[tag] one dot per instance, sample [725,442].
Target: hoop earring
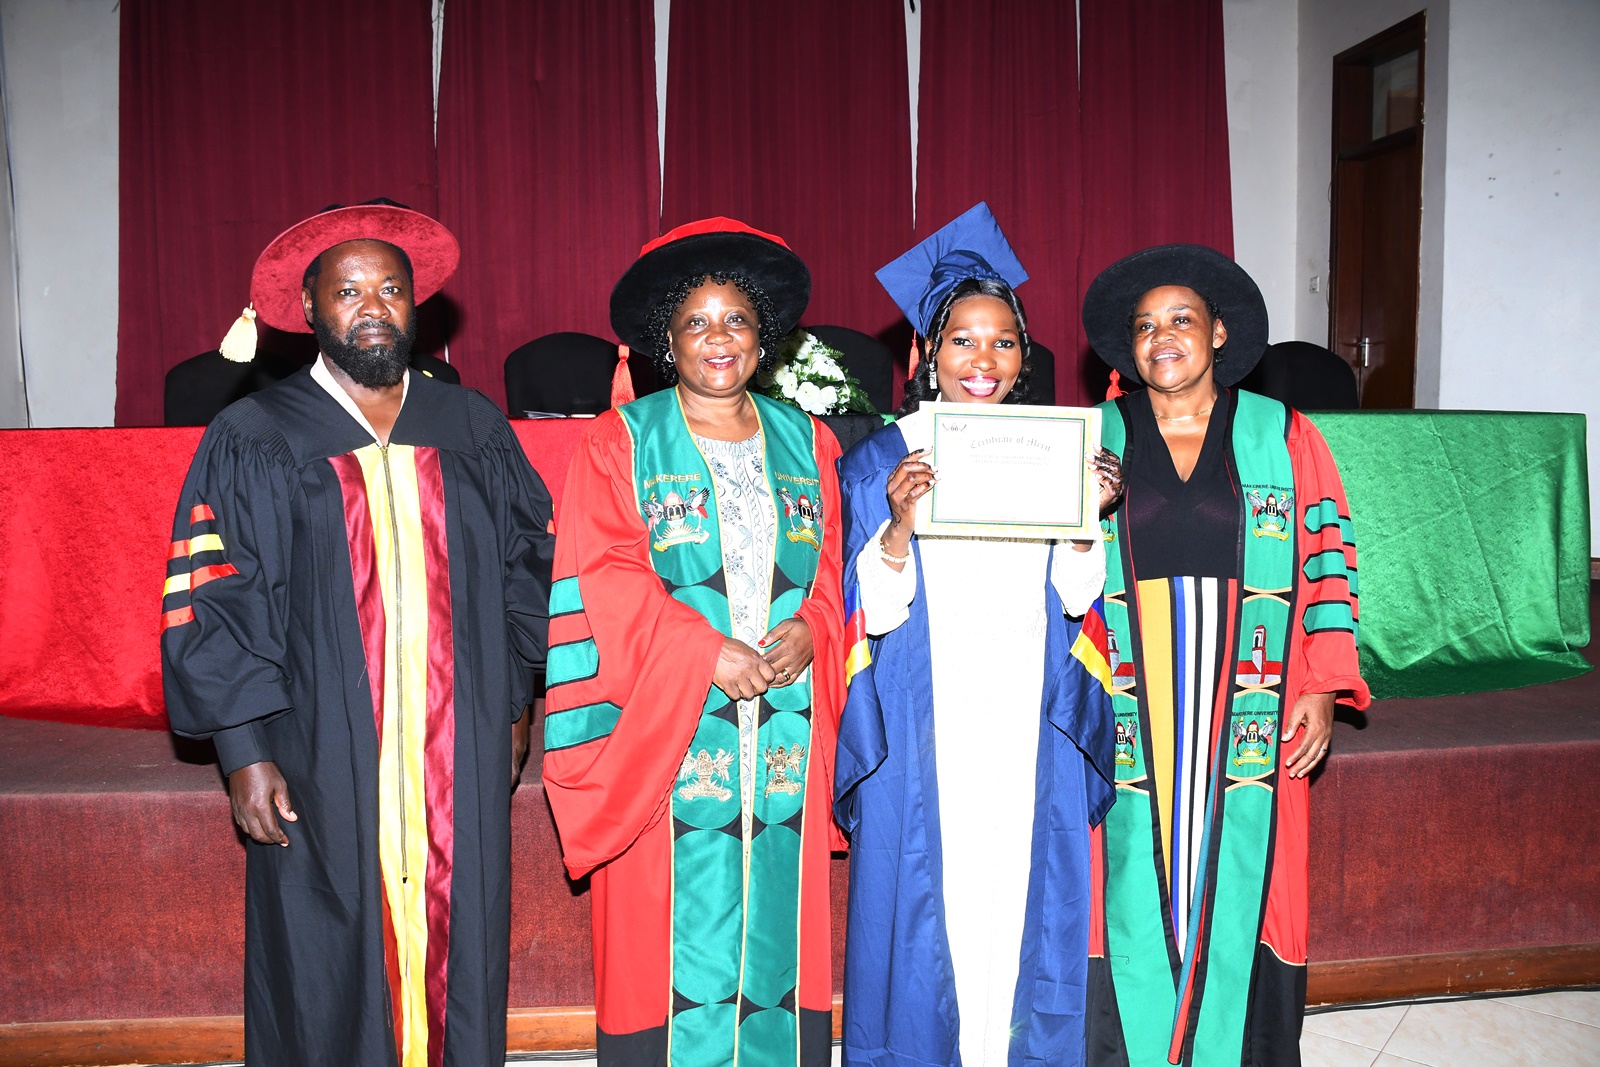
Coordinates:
[671,359]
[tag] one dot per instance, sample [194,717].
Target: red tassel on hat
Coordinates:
[913,359]
[621,380]
[1114,390]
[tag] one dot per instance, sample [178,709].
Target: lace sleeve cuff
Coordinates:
[886,594]
[1079,576]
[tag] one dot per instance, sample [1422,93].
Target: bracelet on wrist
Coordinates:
[890,557]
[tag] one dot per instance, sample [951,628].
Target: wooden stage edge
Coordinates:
[221,1038]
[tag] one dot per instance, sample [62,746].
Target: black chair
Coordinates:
[1042,382]
[570,374]
[865,357]
[1305,376]
[199,388]
[434,367]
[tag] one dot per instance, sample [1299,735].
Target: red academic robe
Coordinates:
[657,655]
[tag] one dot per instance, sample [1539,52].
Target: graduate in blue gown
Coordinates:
[975,749]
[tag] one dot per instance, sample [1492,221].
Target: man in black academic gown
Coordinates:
[356,602]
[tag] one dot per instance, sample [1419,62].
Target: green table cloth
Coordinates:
[1472,532]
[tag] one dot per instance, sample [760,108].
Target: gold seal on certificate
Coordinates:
[1011,470]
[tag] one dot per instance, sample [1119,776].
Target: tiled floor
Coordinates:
[1560,1029]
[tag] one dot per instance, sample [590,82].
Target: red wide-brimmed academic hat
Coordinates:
[280,269]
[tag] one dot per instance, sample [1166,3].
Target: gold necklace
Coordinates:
[1183,418]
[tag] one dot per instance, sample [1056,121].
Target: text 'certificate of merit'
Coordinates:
[1012,471]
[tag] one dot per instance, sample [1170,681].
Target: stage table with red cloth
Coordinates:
[1442,851]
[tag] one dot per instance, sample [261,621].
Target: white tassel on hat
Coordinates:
[239,346]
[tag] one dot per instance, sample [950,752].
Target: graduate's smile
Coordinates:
[980,386]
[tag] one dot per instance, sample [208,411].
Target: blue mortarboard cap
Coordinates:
[969,246]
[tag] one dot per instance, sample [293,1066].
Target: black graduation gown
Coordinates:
[263,652]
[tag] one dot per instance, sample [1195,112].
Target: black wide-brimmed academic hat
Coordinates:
[1112,297]
[709,246]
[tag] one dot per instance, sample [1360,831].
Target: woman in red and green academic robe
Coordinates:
[1231,607]
[695,674]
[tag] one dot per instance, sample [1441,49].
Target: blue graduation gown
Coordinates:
[899,985]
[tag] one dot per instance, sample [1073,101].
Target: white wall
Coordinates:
[1260,56]
[61,62]
[1523,216]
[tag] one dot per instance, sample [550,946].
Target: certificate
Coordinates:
[1012,471]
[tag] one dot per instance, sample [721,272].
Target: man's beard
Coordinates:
[375,367]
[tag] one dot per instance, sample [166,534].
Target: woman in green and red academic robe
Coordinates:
[1231,605]
[695,674]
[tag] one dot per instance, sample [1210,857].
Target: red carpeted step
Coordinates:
[123,883]
[1460,824]
[1446,825]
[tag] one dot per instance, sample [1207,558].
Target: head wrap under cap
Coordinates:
[969,246]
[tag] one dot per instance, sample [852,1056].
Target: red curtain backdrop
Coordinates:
[1000,123]
[548,171]
[792,116]
[238,120]
[1155,130]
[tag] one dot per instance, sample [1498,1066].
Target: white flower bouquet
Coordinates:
[811,376]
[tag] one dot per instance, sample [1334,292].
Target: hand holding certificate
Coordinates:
[1012,471]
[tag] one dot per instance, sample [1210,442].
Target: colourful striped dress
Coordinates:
[1228,595]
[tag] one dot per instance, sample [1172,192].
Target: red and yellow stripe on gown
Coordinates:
[395,518]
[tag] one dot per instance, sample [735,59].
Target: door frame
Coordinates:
[1352,141]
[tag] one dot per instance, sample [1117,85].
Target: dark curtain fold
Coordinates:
[793,116]
[998,121]
[1155,131]
[548,171]
[237,121]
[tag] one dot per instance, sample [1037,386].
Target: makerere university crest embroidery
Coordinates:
[1127,738]
[1251,741]
[803,515]
[677,520]
[1271,516]
[780,765]
[705,769]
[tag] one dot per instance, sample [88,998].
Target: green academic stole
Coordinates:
[1161,986]
[735,892]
